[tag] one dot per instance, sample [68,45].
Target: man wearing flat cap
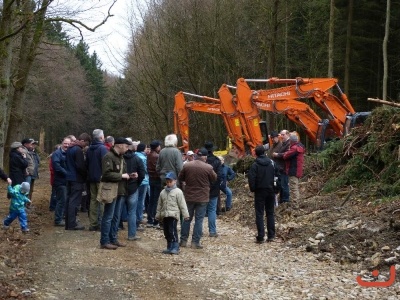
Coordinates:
[114,170]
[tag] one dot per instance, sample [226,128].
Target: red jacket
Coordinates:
[294,159]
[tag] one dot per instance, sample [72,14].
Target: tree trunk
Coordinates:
[331,35]
[384,52]
[348,48]
[30,41]
[5,73]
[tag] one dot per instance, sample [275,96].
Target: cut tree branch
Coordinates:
[395,104]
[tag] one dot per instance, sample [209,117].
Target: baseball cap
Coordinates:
[190,152]
[170,175]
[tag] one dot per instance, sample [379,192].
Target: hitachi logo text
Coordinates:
[276,95]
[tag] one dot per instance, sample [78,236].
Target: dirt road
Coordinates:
[51,263]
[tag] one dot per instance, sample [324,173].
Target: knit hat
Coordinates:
[202,152]
[154,144]
[16,145]
[25,187]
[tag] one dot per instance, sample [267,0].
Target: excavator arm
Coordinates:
[230,118]
[317,90]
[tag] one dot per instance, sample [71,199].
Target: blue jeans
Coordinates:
[131,203]
[285,188]
[53,199]
[110,221]
[143,190]
[198,211]
[22,218]
[227,191]
[61,196]
[155,190]
[212,214]
[28,179]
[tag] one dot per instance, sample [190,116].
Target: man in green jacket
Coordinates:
[112,164]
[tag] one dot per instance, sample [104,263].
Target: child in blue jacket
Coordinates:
[18,200]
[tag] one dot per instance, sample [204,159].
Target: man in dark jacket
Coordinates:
[18,164]
[214,190]
[76,178]
[294,160]
[136,169]
[155,183]
[261,182]
[60,180]
[94,156]
[198,176]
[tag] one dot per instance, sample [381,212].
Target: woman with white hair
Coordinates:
[170,158]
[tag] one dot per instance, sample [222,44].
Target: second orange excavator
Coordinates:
[228,112]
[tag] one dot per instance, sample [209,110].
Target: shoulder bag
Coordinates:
[108,191]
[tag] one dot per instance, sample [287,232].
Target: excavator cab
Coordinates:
[264,132]
[354,120]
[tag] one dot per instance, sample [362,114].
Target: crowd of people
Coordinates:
[161,182]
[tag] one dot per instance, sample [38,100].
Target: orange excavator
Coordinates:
[249,102]
[341,113]
[228,112]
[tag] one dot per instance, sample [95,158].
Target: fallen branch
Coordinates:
[348,196]
[384,102]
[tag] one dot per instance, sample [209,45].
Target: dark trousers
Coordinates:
[171,229]
[155,190]
[74,198]
[264,201]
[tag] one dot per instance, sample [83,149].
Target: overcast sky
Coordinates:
[110,41]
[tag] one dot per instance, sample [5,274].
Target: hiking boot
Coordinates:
[118,244]
[61,224]
[26,230]
[174,248]
[5,227]
[259,241]
[149,225]
[134,238]
[108,247]
[196,246]
[94,228]
[168,250]
[213,235]
[79,227]
[183,244]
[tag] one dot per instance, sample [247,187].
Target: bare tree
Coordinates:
[384,52]
[26,29]
[331,36]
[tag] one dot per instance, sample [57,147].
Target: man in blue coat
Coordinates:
[94,156]
[60,180]
[76,178]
